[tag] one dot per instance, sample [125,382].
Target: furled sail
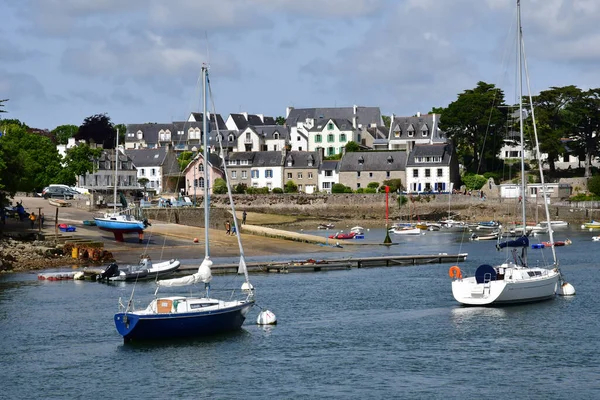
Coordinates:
[523,241]
[203,275]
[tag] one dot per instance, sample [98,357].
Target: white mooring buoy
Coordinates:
[266,317]
[566,289]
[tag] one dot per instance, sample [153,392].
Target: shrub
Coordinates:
[402,200]
[338,188]
[394,184]
[291,187]
[593,185]
[369,190]
[240,188]
[474,181]
[347,189]
[220,186]
[277,190]
[360,190]
[373,185]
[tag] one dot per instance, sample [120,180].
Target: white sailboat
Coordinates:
[187,316]
[513,281]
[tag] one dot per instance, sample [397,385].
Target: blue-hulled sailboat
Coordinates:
[169,317]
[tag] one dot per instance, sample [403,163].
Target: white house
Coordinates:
[329,175]
[406,132]
[332,135]
[262,138]
[431,168]
[256,169]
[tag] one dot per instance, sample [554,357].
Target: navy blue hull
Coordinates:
[180,325]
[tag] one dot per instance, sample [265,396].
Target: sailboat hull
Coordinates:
[155,325]
[116,225]
[504,292]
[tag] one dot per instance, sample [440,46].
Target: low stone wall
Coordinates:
[188,216]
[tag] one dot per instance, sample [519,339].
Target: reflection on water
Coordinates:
[465,314]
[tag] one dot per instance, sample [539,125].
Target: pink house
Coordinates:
[194,174]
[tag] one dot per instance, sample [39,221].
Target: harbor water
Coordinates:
[373,333]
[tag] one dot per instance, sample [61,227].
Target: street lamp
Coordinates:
[194,151]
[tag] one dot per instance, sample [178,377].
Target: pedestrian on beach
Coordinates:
[233,230]
[244,217]
[32,219]
[227,228]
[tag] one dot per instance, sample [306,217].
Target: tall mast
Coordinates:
[521,136]
[116,172]
[205,144]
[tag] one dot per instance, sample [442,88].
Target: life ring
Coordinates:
[454,272]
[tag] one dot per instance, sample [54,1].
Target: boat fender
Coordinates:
[455,272]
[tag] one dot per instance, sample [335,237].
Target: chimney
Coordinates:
[287,111]
[245,114]
[355,109]
[392,117]
[418,113]
[321,152]
[433,129]
[354,121]
[262,117]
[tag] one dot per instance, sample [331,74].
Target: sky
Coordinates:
[139,60]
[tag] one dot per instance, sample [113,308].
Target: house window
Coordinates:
[358,174]
[201,167]
[440,172]
[387,174]
[201,182]
[140,134]
[268,173]
[244,174]
[415,173]
[358,185]
[410,133]
[330,126]
[233,174]
[318,138]
[328,172]
[153,172]
[298,139]
[310,175]
[343,137]
[195,182]
[289,175]
[300,148]
[142,172]
[330,151]
[370,174]
[427,172]
[276,135]
[299,175]
[330,138]
[397,134]
[326,185]
[254,174]
[299,188]
[231,138]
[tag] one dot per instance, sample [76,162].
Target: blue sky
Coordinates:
[139,60]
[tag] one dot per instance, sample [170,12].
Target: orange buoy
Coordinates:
[455,272]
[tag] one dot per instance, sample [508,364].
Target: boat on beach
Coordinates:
[59,202]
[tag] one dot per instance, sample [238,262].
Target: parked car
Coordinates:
[59,193]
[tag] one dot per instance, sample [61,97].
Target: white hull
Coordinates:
[517,287]
[407,231]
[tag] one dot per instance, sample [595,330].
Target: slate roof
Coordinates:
[366,115]
[267,131]
[342,124]
[300,159]
[258,158]
[240,121]
[417,125]
[213,160]
[147,157]
[199,117]
[329,165]
[269,121]
[150,131]
[373,161]
[430,150]
[379,132]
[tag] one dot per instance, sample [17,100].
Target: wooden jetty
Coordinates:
[311,265]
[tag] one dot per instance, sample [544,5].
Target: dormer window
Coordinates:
[411,131]
[290,161]
[330,126]
[140,135]
[424,130]
[276,135]
[311,161]
[231,138]
[201,167]
[397,133]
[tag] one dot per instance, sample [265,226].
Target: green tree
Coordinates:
[549,107]
[387,121]
[98,129]
[184,159]
[78,161]
[280,120]
[351,147]
[291,187]
[583,117]
[122,129]
[476,123]
[394,184]
[240,188]
[373,185]
[63,133]
[474,181]
[143,182]
[593,185]
[220,186]
[436,110]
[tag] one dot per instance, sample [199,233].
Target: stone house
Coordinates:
[302,168]
[358,169]
[159,166]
